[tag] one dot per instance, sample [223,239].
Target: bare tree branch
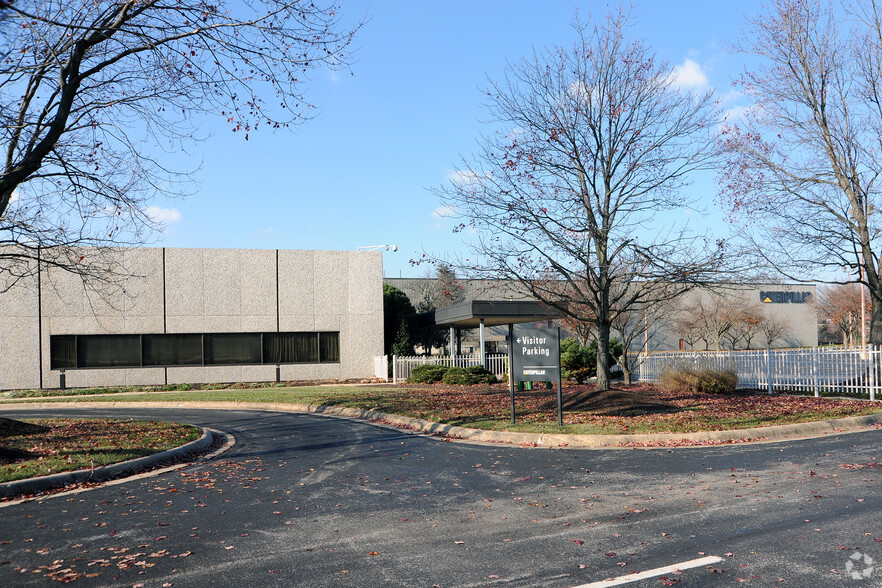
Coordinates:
[803,163]
[595,143]
[89,89]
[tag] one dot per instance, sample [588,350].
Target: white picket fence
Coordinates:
[381,367]
[816,370]
[402,366]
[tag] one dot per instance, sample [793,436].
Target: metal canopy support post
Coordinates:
[453,341]
[481,337]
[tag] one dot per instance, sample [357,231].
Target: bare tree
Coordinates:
[716,320]
[747,319]
[582,329]
[592,146]
[774,328]
[804,161]
[641,329]
[96,93]
[688,326]
[717,317]
[839,307]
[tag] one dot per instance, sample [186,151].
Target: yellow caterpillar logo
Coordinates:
[784,297]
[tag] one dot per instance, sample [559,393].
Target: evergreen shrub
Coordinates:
[468,376]
[427,374]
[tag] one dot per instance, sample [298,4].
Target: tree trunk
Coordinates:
[875,337]
[603,371]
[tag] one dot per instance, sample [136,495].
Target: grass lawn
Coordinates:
[49,446]
[639,408]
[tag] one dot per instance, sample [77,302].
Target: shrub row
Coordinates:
[700,380]
[432,374]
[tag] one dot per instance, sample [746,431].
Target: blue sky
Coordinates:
[359,173]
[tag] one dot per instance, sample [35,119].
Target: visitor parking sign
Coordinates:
[535,354]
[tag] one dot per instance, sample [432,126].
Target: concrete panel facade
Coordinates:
[799,313]
[20,334]
[199,291]
[797,310]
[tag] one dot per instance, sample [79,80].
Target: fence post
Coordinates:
[815,358]
[874,356]
[394,369]
[769,368]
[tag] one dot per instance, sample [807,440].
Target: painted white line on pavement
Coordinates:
[693,563]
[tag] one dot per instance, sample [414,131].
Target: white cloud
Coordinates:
[581,92]
[463,177]
[162,215]
[731,96]
[265,233]
[735,113]
[689,76]
[443,212]
[14,196]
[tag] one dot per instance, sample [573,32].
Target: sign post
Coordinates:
[534,356]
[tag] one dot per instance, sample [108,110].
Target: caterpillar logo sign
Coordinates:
[784,297]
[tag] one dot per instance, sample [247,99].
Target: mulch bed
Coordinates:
[634,408]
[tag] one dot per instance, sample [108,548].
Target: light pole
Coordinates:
[377,247]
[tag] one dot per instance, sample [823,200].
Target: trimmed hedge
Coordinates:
[704,380]
[468,376]
[427,374]
[432,374]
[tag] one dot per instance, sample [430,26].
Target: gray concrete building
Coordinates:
[197,316]
[786,313]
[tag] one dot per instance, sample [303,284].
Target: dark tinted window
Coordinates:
[279,348]
[329,344]
[103,351]
[97,351]
[62,351]
[301,347]
[231,348]
[172,349]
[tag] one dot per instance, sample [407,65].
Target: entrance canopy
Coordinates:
[491,313]
[484,313]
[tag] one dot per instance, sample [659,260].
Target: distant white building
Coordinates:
[197,316]
[792,306]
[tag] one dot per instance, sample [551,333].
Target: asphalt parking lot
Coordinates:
[306,500]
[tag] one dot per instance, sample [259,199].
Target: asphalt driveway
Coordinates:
[305,500]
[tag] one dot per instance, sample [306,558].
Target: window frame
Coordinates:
[80,342]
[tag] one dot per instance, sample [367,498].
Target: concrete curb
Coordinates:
[702,439]
[104,473]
